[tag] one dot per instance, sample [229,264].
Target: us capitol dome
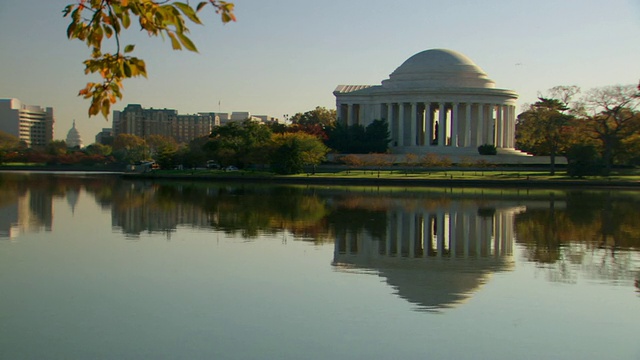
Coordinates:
[73,137]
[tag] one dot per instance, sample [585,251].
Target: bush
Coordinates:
[583,160]
[487,149]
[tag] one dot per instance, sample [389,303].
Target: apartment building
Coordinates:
[30,123]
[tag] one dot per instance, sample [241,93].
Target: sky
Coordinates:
[287,56]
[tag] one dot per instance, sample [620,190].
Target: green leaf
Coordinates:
[106,105]
[126,69]
[188,11]
[174,42]
[108,31]
[201,5]
[71,29]
[126,20]
[129,48]
[188,44]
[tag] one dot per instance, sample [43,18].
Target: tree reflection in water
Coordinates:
[447,241]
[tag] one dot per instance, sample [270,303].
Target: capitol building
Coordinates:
[74,140]
[437,102]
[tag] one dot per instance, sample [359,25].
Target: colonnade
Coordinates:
[438,233]
[424,124]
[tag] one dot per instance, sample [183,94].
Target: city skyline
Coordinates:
[289,57]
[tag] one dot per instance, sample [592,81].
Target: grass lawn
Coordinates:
[627,175]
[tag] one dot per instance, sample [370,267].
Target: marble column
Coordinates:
[480,128]
[454,125]
[412,126]
[499,127]
[390,120]
[400,124]
[428,119]
[442,119]
[467,123]
[512,126]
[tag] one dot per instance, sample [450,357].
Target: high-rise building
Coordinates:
[105,137]
[136,120]
[31,124]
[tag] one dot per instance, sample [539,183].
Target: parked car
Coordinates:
[231,168]
[212,164]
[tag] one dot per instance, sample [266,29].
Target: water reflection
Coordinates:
[588,233]
[434,247]
[434,251]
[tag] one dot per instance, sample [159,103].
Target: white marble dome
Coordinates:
[73,137]
[438,68]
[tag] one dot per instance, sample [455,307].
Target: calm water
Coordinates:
[93,267]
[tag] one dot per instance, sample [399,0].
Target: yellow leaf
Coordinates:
[175,44]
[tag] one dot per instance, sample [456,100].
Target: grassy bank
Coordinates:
[412,176]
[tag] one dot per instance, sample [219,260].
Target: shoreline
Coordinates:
[412,180]
[319,179]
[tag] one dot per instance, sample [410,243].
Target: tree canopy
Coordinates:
[542,129]
[598,130]
[356,139]
[94,20]
[318,116]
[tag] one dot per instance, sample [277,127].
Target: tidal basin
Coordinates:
[97,267]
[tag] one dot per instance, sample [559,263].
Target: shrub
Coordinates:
[487,149]
[583,160]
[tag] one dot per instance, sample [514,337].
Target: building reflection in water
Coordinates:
[434,247]
[435,257]
[24,210]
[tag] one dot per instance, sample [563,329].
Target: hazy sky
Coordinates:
[287,56]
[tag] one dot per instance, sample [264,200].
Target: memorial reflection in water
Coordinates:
[434,253]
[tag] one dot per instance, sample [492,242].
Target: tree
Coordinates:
[57,147]
[541,129]
[158,143]
[378,136]
[318,116]
[292,151]
[130,148]
[610,115]
[163,150]
[94,20]
[239,144]
[98,149]
[8,143]
[356,139]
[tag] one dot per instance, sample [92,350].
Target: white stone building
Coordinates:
[438,101]
[31,124]
[74,140]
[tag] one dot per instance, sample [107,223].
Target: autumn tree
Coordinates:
[92,21]
[542,128]
[130,148]
[610,114]
[8,143]
[163,150]
[318,116]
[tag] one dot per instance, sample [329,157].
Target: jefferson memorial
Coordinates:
[438,101]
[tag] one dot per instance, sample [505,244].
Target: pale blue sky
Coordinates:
[287,56]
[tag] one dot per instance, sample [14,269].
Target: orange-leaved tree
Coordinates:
[94,20]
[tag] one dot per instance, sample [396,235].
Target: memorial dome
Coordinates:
[438,68]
